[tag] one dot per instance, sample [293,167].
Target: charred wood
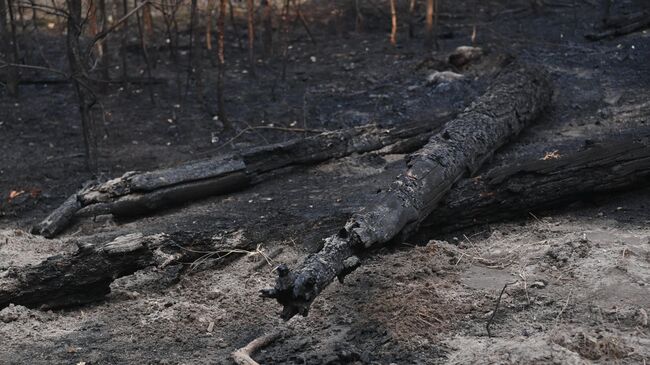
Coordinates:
[137,193]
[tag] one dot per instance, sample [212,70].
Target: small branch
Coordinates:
[496,308]
[4,64]
[242,356]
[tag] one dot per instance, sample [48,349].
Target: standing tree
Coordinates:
[431,37]
[250,9]
[358,24]
[267,24]
[393,23]
[102,45]
[412,6]
[8,49]
[79,75]
[221,60]
[123,41]
[285,39]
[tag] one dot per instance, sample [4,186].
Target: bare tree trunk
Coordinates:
[358,25]
[285,39]
[145,54]
[148,21]
[10,73]
[76,59]
[393,23]
[190,68]
[124,40]
[208,25]
[168,30]
[221,60]
[250,8]
[102,45]
[430,36]
[412,5]
[235,29]
[301,17]
[267,24]
[92,18]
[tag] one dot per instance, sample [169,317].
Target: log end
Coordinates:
[294,291]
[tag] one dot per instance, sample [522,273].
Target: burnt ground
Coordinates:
[582,272]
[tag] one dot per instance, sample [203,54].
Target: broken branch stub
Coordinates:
[516,98]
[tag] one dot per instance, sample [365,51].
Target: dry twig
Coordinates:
[242,356]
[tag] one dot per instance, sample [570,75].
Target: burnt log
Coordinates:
[137,193]
[515,99]
[566,173]
[85,275]
[579,168]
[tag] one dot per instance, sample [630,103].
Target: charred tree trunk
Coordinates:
[285,39]
[221,60]
[7,49]
[102,46]
[124,37]
[137,193]
[267,26]
[431,38]
[516,99]
[233,23]
[78,64]
[250,16]
[358,23]
[208,27]
[301,18]
[142,35]
[148,21]
[193,26]
[412,5]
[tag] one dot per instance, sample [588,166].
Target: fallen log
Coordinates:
[515,99]
[580,168]
[85,276]
[137,193]
[566,173]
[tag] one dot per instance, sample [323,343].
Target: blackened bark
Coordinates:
[572,171]
[137,193]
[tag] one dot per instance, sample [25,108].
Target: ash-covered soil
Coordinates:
[579,276]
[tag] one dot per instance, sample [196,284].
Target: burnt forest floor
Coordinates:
[582,272]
